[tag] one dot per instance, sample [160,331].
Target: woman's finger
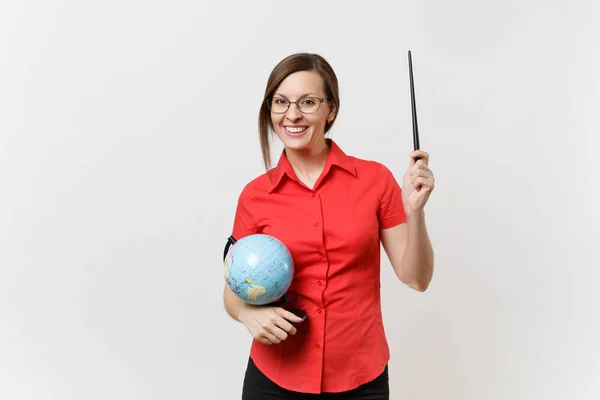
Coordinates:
[279,327]
[419,156]
[288,315]
[263,340]
[425,173]
[267,334]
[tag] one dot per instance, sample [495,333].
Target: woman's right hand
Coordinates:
[269,325]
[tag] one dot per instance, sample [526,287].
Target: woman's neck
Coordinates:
[308,164]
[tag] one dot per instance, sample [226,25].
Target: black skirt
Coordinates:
[258,387]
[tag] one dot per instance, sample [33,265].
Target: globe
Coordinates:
[259,269]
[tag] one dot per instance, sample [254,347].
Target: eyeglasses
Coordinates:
[306,105]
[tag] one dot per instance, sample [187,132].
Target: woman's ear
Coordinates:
[331,115]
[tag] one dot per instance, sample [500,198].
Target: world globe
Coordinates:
[259,269]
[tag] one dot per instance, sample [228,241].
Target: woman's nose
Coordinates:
[293,114]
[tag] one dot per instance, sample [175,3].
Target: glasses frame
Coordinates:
[270,99]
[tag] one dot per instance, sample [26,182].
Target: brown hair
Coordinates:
[287,66]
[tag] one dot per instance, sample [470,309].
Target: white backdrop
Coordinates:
[128,129]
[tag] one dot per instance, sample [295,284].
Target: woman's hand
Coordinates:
[418,182]
[269,325]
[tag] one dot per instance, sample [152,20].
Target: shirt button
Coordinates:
[319,283]
[320,253]
[314,195]
[319,310]
[316,223]
[317,346]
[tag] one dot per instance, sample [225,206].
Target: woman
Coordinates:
[332,211]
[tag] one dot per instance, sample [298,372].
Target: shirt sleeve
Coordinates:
[391,207]
[244,220]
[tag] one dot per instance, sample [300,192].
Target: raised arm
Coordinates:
[407,244]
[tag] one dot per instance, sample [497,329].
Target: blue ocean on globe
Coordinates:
[259,269]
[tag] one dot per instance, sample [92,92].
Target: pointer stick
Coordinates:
[413,104]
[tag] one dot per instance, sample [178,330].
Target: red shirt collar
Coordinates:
[336,157]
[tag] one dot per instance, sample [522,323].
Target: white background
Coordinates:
[128,129]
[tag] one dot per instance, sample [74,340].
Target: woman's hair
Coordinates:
[287,66]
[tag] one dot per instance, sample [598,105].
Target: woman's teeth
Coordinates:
[294,129]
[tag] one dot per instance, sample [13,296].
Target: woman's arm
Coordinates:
[410,252]
[407,245]
[268,325]
[233,305]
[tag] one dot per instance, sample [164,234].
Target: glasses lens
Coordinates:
[279,105]
[309,105]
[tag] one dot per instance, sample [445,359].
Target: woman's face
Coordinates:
[297,130]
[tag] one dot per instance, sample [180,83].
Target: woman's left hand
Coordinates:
[418,182]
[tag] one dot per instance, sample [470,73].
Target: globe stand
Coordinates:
[283,300]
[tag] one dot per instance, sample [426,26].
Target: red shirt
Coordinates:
[332,232]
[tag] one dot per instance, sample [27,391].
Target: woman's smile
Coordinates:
[295,130]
